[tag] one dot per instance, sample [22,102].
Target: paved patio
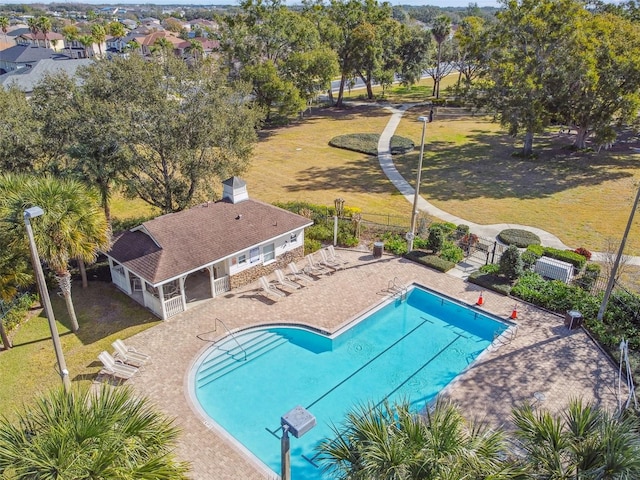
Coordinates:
[543,358]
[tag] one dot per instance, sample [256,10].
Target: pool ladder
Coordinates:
[215,328]
[397,290]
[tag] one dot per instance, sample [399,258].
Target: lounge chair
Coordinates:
[116,368]
[326,261]
[269,289]
[280,278]
[313,267]
[298,275]
[331,253]
[129,355]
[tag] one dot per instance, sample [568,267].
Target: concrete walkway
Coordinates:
[488,231]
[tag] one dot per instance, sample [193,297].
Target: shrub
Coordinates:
[122,224]
[536,249]
[490,281]
[584,252]
[367,143]
[568,256]
[447,227]
[529,259]
[431,261]
[320,232]
[519,238]
[511,263]
[346,239]
[395,243]
[436,239]
[18,310]
[420,242]
[311,245]
[462,230]
[492,269]
[589,277]
[451,252]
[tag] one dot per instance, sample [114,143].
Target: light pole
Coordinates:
[30,213]
[414,213]
[297,421]
[616,263]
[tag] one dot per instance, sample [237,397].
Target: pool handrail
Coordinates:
[215,328]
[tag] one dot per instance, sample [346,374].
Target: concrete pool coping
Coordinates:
[544,357]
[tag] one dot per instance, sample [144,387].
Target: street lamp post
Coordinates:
[616,263]
[297,422]
[414,213]
[30,213]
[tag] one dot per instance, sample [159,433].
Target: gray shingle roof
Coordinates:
[27,78]
[25,54]
[193,238]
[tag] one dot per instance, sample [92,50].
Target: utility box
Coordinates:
[573,319]
[554,269]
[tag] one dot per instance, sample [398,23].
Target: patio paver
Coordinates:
[543,357]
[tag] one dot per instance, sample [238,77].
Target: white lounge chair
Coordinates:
[269,289]
[313,267]
[129,355]
[116,368]
[331,253]
[328,262]
[280,278]
[298,275]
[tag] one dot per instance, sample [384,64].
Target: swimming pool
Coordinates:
[408,348]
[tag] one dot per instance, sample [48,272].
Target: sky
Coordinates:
[438,3]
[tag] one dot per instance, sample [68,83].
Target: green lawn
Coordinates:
[104,314]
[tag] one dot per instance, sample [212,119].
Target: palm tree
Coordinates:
[4,25]
[73,225]
[162,46]
[108,433]
[440,31]
[44,25]
[34,28]
[580,443]
[99,34]
[117,30]
[86,41]
[390,442]
[196,50]
[70,34]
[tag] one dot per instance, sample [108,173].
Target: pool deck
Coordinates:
[543,358]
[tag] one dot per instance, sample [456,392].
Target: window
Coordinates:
[254,255]
[269,252]
[242,259]
[294,237]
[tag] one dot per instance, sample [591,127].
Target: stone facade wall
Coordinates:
[251,275]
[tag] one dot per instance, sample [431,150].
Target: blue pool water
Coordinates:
[403,350]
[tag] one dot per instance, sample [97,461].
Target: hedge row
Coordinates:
[568,256]
[429,260]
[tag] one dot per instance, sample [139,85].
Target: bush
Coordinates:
[420,243]
[519,238]
[584,252]
[536,249]
[451,252]
[311,245]
[319,232]
[446,227]
[394,243]
[511,263]
[436,239]
[589,277]
[491,268]
[462,230]
[431,261]
[18,310]
[346,239]
[568,256]
[490,281]
[122,224]
[367,143]
[529,259]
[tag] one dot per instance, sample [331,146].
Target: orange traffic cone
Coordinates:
[514,313]
[480,300]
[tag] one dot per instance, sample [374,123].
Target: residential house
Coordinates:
[22,56]
[27,78]
[147,42]
[53,40]
[179,258]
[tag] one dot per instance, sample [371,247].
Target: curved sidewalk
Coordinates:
[491,231]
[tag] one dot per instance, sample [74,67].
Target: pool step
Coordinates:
[228,355]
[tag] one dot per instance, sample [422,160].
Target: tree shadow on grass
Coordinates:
[102,311]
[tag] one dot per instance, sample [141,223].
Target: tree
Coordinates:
[469,51]
[20,140]
[44,25]
[86,41]
[4,25]
[441,30]
[99,35]
[162,47]
[108,433]
[117,30]
[72,226]
[511,264]
[32,24]
[195,50]
[412,53]
[71,33]
[581,442]
[389,442]
[185,128]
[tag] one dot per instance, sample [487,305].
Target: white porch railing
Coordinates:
[173,306]
[118,277]
[221,285]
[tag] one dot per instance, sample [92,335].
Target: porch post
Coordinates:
[182,294]
[211,281]
[161,297]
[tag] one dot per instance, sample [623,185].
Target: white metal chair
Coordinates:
[129,355]
[269,289]
[280,278]
[298,275]
[116,368]
[331,253]
[313,267]
[326,261]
